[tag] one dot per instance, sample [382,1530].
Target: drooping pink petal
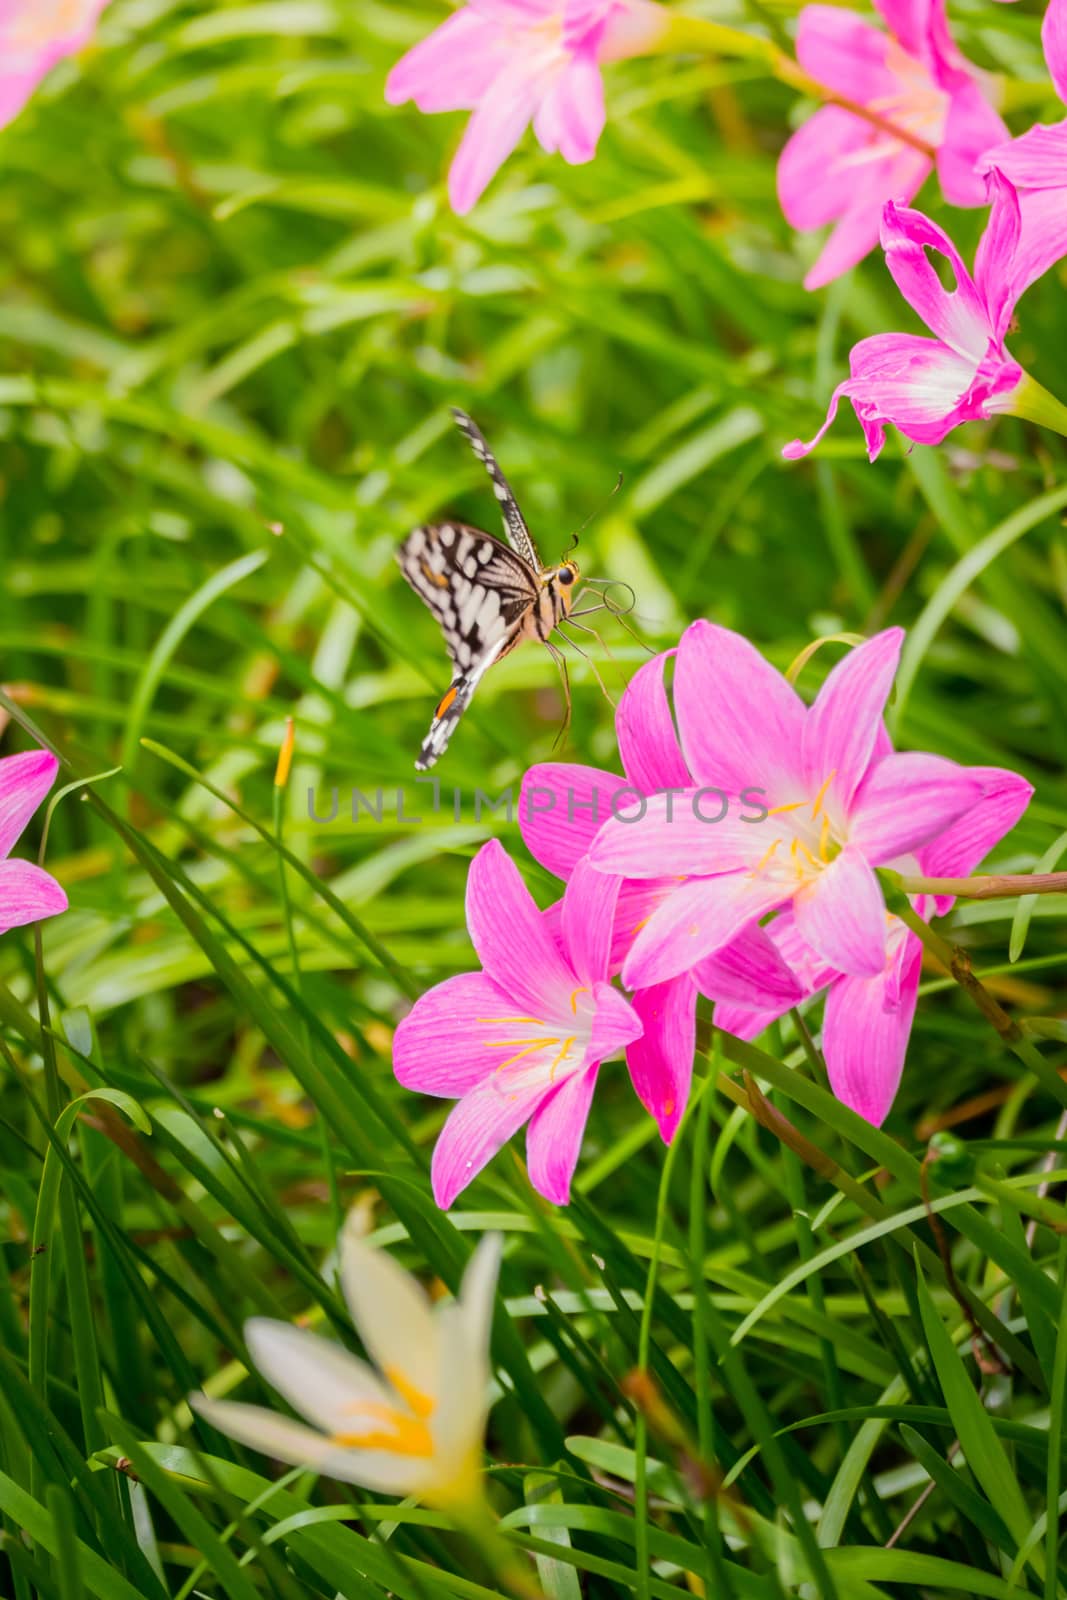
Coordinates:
[562,809]
[750,970]
[845,52]
[699,918]
[810,971]
[615,1024]
[661,1061]
[994,265]
[570,117]
[864,1043]
[907,800]
[841,727]
[443,1045]
[587,920]
[477,1127]
[964,845]
[24,782]
[1054,39]
[739,720]
[554,1137]
[453,67]
[513,942]
[958,317]
[27,894]
[971,127]
[645,731]
[1043,241]
[680,833]
[841,914]
[495,128]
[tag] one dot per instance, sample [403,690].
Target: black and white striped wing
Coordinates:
[480,593]
[514,522]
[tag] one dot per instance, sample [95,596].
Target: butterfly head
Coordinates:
[562,579]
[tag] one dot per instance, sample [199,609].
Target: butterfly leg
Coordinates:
[561,662]
[596,671]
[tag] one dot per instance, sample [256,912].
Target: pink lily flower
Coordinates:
[839,804]
[522,1040]
[867,1021]
[1036,163]
[561,810]
[27,892]
[34,35]
[841,168]
[513,62]
[927,387]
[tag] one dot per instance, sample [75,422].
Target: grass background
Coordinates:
[234,300]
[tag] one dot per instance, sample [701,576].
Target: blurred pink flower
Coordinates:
[927,387]
[522,1040]
[867,1021]
[1036,163]
[34,35]
[561,809]
[27,893]
[513,62]
[840,168]
[840,804]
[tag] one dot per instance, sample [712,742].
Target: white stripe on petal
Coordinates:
[319,1378]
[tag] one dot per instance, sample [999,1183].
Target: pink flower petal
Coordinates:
[477,1126]
[958,317]
[615,1024]
[16,89]
[843,724]
[661,1061]
[845,52]
[1037,159]
[911,22]
[24,782]
[740,722]
[680,833]
[443,1046]
[971,127]
[864,1043]
[27,894]
[994,264]
[1054,39]
[1043,241]
[821,169]
[750,971]
[453,68]
[698,919]
[907,800]
[810,971]
[842,915]
[554,1137]
[965,844]
[587,918]
[571,115]
[644,729]
[492,133]
[562,809]
[514,944]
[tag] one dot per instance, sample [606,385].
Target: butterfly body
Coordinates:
[487,596]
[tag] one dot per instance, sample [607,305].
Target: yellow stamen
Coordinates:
[642,924]
[794,805]
[527,1049]
[811,859]
[574,998]
[821,796]
[824,838]
[764,858]
[406,1436]
[562,1056]
[420,1403]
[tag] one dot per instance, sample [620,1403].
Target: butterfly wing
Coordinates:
[514,522]
[481,594]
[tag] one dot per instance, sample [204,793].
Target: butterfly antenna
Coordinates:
[594,513]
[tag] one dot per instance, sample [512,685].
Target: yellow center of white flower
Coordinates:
[402,1430]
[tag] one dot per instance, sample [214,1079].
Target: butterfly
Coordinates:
[487,596]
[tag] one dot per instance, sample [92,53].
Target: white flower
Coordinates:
[413,1423]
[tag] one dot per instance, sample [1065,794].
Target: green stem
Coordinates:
[1035,404]
[1001,886]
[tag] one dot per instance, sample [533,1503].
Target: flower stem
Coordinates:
[1034,403]
[958,965]
[717,39]
[998,886]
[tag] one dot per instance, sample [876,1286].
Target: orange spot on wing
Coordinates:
[446,702]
